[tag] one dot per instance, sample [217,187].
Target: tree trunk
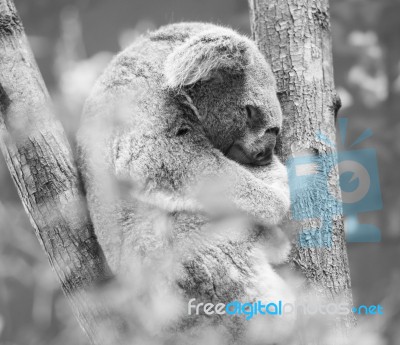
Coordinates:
[41,163]
[295,37]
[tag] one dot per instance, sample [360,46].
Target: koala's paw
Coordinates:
[275,245]
[278,170]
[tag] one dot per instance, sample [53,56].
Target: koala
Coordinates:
[179,133]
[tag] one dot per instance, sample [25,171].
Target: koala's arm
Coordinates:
[208,179]
[262,191]
[275,176]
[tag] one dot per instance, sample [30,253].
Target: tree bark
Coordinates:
[41,163]
[295,37]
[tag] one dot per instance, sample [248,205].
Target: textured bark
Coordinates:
[41,163]
[295,36]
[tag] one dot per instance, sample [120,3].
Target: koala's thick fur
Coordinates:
[162,121]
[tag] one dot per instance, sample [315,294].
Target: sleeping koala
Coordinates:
[186,120]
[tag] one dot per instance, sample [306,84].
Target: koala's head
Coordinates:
[228,84]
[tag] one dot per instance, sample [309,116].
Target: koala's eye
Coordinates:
[254,117]
[273,130]
[215,76]
[183,130]
[250,112]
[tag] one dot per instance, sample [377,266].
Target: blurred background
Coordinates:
[74,40]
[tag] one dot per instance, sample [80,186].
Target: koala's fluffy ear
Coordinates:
[200,56]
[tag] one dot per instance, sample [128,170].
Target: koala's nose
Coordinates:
[265,150]
[264,156]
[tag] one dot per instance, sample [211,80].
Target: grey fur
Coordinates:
[158,123]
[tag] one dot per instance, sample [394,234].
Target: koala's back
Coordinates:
[129,97]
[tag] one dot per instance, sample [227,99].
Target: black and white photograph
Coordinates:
[186,172]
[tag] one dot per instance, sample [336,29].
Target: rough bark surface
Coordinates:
[41,163]
[295,36]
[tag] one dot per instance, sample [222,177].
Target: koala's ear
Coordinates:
[200,57]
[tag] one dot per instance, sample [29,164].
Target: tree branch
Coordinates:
[41,163]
